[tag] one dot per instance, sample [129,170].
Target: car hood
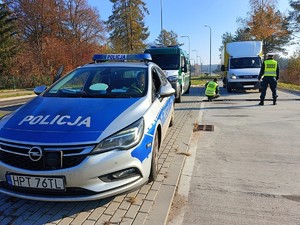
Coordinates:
[48,120]
[245,71]
[171,73]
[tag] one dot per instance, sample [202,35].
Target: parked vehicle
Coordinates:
[241,63]
[176,65]
[94,133]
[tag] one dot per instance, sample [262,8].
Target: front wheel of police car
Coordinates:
[154,161]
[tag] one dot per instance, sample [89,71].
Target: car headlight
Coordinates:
[233,76]
[172,78]
[124,139]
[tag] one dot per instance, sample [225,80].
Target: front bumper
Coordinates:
[243,85]
[87,181]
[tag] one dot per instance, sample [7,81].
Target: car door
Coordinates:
[165,103]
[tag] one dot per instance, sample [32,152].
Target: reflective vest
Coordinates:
[211,88]
[270,68]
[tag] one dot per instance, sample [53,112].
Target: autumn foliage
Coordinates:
[49,34]
[291,74]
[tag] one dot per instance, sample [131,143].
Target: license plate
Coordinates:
[37,182]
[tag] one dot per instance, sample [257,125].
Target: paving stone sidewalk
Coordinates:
[148,205]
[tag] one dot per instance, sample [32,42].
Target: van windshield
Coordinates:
[166,61]
[246,62]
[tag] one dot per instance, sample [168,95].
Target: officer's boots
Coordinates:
[274,101]
[261,103]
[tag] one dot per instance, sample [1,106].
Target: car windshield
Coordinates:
[102,82]
[166,61]
[247,62]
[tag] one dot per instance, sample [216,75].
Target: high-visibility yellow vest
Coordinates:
[211,88]
[270,68]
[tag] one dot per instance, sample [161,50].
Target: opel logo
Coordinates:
[35,154]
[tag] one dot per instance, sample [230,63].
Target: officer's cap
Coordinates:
[270,54]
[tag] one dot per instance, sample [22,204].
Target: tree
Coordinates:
[167,38]
[226,38]
[53,33]
[83,30]
[268,25]
[295,15]
[8,43]
[126,26]
[242,34]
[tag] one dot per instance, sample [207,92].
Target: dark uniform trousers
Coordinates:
[268,80]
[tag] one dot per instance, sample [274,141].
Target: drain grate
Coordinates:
[205,127]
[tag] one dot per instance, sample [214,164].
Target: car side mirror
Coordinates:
[166,91]
[39,89]
[58,73]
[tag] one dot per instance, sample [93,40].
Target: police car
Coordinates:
[94,133]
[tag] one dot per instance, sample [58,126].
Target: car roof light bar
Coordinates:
[122,57]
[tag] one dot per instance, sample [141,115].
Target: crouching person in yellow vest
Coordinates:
[212,90]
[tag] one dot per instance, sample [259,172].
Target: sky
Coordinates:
[189,17]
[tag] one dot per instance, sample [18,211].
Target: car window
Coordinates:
[161,75]
[106,82]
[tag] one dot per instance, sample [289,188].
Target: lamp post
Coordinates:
[189,43]
[161,16]
[200,66]
[196,61]
[209,48]
[161,21]
[193,64]
[196,55]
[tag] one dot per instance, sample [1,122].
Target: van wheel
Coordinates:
[178,100]
[224,82]
[154,161]
[188,90]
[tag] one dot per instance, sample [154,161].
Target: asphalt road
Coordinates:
[246,170]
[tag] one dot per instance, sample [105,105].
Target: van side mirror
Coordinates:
[184,68]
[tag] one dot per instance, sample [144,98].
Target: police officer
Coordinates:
[269,73]
[139,85]
[212,90]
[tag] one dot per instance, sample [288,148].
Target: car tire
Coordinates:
[172,119]
[154,160]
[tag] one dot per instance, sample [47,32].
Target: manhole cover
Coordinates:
[205,127]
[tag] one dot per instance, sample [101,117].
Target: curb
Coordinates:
[169,186]
[17,97]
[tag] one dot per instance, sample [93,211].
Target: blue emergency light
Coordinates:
[121,57]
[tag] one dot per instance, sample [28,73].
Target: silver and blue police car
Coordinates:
[94,133]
